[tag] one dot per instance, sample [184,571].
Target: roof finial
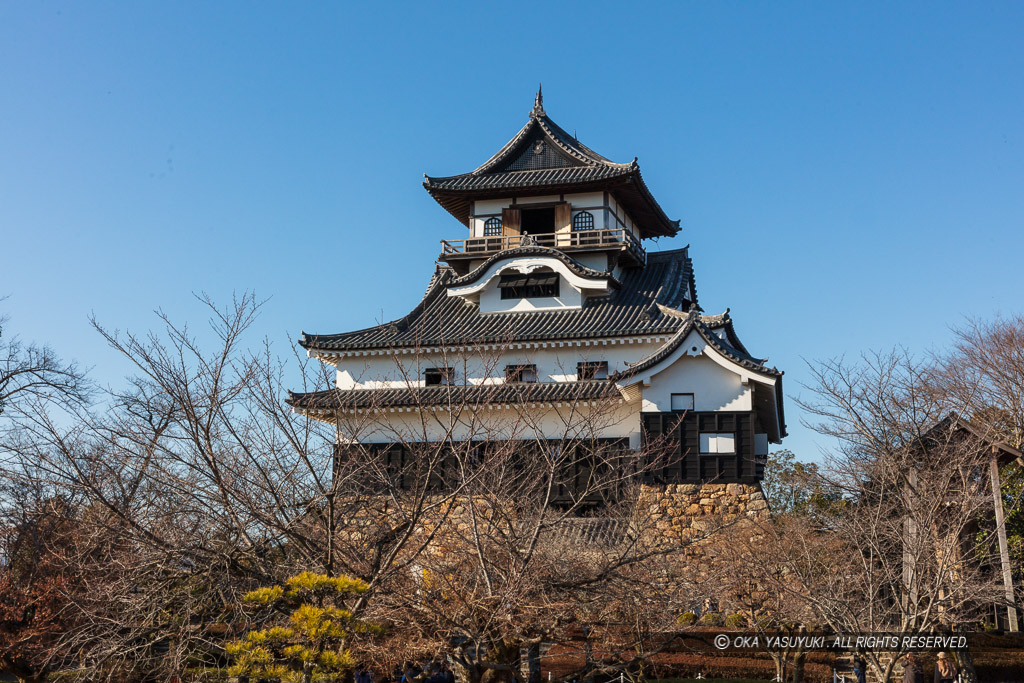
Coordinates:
[538,104]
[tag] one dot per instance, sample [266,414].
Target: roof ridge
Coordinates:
[693,322]
[567,144]
[577,148]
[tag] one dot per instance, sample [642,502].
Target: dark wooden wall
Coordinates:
[675,438]
[671,454]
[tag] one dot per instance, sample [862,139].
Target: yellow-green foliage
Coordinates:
[686,619]
[264,596]
[313,646]
[319,583]
[735,621]
[711,619]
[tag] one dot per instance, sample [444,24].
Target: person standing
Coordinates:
[860,668]
[945,670]
[912,671]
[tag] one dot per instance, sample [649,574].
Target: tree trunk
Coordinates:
[467,672]
[798,666]
[779,660]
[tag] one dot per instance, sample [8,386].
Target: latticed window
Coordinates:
[584,220]
[492,227]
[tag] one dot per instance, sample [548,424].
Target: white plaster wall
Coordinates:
[585,199]
[540,199]
[591,260]
[618,420]
[486,206]
[713,387]
[555,364]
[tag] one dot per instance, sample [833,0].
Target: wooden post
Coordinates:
[1004,550]
[563,224]
[911,551]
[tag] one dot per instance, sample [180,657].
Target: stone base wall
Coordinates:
[688,511]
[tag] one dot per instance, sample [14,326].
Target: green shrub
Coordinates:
[686,619]
[735,621]
[711,619]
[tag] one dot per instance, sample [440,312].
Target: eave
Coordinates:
[482,396]
[456,193]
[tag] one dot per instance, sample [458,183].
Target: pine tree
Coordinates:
[311,646]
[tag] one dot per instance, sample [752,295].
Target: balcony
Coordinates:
[610,240]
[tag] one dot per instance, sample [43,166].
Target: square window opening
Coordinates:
[717,443]
[521,373]
[586,370]
[433,377]
[682,402]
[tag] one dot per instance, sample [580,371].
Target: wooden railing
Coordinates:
[583,239]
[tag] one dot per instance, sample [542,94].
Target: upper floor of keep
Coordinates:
[546,188]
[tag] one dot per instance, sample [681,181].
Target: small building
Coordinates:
[552,302]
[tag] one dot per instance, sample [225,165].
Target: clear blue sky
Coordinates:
[850,175]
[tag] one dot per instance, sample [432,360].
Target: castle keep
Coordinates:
[552,304]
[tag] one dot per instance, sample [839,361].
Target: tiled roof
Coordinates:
[543,158]
[706,326]
[441,320]
[695,321]
[567,150]
[486,394]
[537,178]
[715,322]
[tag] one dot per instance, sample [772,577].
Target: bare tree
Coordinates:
[984,373]
[30,372]
[203,485]
[900,554]
[483,523]
[538,536]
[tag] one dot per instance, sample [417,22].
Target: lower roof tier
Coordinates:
[482,394]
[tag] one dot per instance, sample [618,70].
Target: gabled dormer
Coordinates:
[546,188]
[527,279]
